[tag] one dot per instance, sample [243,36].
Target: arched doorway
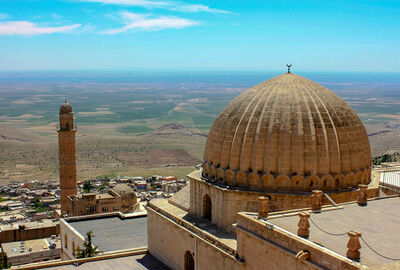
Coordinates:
[189,261]
[207,207]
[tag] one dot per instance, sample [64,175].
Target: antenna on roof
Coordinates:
[288,67]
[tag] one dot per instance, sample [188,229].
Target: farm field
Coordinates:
[145,124]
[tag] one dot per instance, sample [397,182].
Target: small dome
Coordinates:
[66,108]
[128,195]
[291,134]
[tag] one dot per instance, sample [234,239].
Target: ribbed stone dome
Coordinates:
[128,195]
[288,133]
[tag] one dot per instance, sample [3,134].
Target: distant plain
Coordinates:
[138,123]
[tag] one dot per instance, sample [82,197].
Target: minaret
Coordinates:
[67,152]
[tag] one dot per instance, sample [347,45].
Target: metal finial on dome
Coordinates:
[288,67]
[65,100]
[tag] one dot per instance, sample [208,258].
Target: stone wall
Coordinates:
[168,241]
[28,233]
[78,204]
[226,203]
[70,240]
[257,246]
[277,249]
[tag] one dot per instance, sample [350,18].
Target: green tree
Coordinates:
[4,263]
[378,160]
[87,186]
[88,249]
[37,203]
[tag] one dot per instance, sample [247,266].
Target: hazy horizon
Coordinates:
[174,76]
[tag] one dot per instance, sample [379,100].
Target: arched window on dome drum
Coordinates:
[189,261]
[207,207]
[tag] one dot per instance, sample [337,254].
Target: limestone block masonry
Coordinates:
[67,156]
[168,241]
[227,202]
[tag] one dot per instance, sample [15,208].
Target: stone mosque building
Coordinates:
[285,184]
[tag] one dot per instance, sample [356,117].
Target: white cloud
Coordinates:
[170,5]
[86,28]
[143,22]
[129,2]
[55,16]
[179,6]
[29,29]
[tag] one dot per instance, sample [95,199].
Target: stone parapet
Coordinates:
[285,246]
[104,256]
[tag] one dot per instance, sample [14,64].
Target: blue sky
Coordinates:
[200,35]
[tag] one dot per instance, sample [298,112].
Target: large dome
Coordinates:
[291,134]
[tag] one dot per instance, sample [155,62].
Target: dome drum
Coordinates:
[281,182]
[229,176]
[254,180]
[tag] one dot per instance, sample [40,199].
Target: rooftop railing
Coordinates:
[389,181]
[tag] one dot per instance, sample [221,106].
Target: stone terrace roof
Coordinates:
[29,225]
[182,198]
[200,226]
[379,223]
[21,248]
[113,233]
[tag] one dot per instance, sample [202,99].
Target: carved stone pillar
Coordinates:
[303,225]
[353,246]
[263,207]
[362,195]
[316,200]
